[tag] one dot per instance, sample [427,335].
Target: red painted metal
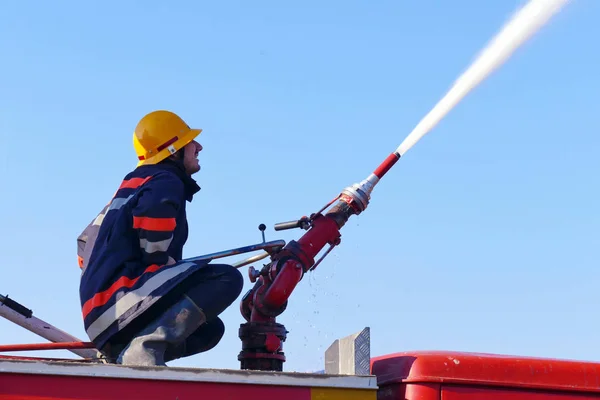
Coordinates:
[272,343]
[279,291]
[385,166]
[46,346]
[413,391]
[476,369]
[324,231]
[489,393]
[38,387]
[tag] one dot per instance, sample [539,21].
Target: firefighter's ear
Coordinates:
[178,155]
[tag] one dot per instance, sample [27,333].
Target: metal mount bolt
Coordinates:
[253,274]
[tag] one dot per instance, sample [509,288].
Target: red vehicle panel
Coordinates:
[45,380]
[470,376]
[89,388]
[472,393]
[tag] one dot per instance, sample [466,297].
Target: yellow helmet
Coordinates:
[160,134]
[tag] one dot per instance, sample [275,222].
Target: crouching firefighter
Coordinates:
[141,304]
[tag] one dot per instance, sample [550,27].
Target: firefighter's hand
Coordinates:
[171,261]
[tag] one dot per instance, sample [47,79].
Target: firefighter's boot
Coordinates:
[170,329]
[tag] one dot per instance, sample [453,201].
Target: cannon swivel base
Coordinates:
[262,344]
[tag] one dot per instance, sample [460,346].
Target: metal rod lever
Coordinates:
[269,247]
[250,260]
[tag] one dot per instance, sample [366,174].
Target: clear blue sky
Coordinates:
[483,238]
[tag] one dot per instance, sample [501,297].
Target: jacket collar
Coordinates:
[190,185]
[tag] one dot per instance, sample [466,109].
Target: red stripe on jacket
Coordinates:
[154,224]
[134,183]
[102,298]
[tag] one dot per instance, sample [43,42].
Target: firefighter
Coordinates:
[141,303]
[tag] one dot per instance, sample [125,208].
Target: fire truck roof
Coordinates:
[486,369]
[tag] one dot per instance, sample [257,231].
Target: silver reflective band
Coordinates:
[134,297]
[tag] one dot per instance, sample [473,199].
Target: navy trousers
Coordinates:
[212,289]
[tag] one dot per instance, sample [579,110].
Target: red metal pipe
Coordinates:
[284,284]
[385,166]
[46,346]
[324,231]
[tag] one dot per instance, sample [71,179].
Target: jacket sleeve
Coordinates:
[155,217]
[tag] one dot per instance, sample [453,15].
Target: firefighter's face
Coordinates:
[190,157]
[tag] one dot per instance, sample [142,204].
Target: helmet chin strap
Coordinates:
[178,158]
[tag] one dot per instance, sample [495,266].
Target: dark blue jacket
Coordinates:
[123,251]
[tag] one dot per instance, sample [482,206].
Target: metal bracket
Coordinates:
[323,256]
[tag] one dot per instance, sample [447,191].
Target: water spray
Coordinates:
[521,27]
